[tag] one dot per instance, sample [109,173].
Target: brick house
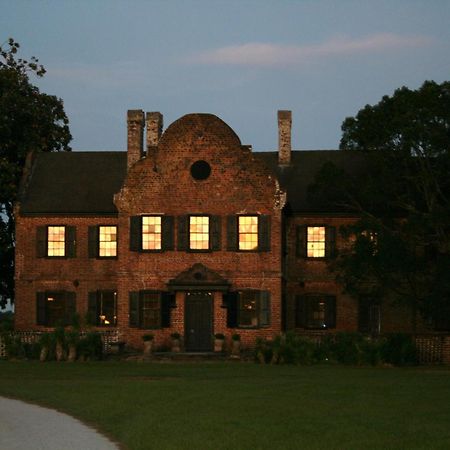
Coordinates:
[188,232]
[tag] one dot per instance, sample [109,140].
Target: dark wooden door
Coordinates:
[198,321]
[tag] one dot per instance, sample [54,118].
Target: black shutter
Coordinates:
[300,311]
[264,233]
[41,309]
[167,302]
[134,309]
[167,224]
[183,233]
[92,311]
[215,225]
[264,309]
[135,233]
[330,242]
[301,241]
[330,311]
[93,236]
[41,242]
[231,300]
[70,308]
[232,233]
[70,242]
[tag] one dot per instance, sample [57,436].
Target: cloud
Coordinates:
[263,54]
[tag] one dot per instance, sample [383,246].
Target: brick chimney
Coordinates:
[284,137]
[135,125]
[154,124]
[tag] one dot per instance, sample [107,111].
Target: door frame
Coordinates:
[209,299]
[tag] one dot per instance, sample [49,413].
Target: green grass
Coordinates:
[244,406]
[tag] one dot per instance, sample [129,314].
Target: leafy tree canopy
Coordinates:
[400,248]
[29,121]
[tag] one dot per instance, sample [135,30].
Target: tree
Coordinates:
[29,121]
[400,247]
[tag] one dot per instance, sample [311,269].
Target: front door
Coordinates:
[198,321]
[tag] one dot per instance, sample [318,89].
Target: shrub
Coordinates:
[399,349]
[148,337]
[90,346]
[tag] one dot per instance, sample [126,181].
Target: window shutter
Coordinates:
[69,307]
[93,237]
[330,242]
[41,242]
[231,300]
[301,241]
[135,233]
[41,310]
[330,311]
[92,311]
[70,242]
[264,233]
[363,314]
[300,311]
[183,233]
[167,223]
[264,309]
[215,225]
[134,309]
[232,233]
[167,302]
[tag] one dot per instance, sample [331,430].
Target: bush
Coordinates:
[91,346]
[399,349]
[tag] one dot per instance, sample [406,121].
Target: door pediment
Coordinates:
[199,278]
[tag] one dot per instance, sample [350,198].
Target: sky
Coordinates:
[241,60]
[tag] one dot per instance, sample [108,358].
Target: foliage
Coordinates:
[219,336]
[399,349]
[175,336]
[90,346]
[29,121]
[148,337]
[400,247]
[235,337]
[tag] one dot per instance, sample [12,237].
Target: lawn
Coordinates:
[244,406]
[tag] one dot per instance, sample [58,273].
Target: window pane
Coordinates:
[248,308]
[107,304]
[108,241]
[56,241]
[199,233]
[150,312]
[248,232]
[316,242]
[151,233]
[55,309]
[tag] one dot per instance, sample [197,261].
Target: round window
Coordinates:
[200,170]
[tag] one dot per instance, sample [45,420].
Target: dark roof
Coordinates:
[85,182]
[305,164]
[74,182]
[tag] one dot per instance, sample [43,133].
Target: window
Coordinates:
[315,311]
[107,246]
[151,309]
[247,309]
[55,308]
[248,232]
[315,241]
[102,308]
[369,315]
[151,233]
[199,232]
[56,241]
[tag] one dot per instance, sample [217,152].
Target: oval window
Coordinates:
[200,170]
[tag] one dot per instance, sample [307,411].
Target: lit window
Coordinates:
[254,309]
[56,241]
[107,241]
[199,232]
[102,308]
[316,242]
[151,233]
[248,232]
[315,311]
[150,310]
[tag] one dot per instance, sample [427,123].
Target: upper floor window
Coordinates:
[151,233]
[315,311]
[315,241]
[199,232]
[56,241]
[248,232]
[107,246]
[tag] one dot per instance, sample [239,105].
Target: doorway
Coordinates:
[198,314]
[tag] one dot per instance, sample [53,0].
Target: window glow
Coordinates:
[56,241]
[199,233]
[151,233]
[107,241]
[248,309]
[106,307]
[248,232]
[316,242]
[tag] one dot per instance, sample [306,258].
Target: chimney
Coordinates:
[284,137]
[135,124]
[154,123]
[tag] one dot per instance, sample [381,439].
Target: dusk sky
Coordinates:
[239,59]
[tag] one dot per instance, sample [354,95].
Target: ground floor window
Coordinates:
[315,311]
[247,309]
[55,308]
[369,315]
[150,309]
[102,308]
